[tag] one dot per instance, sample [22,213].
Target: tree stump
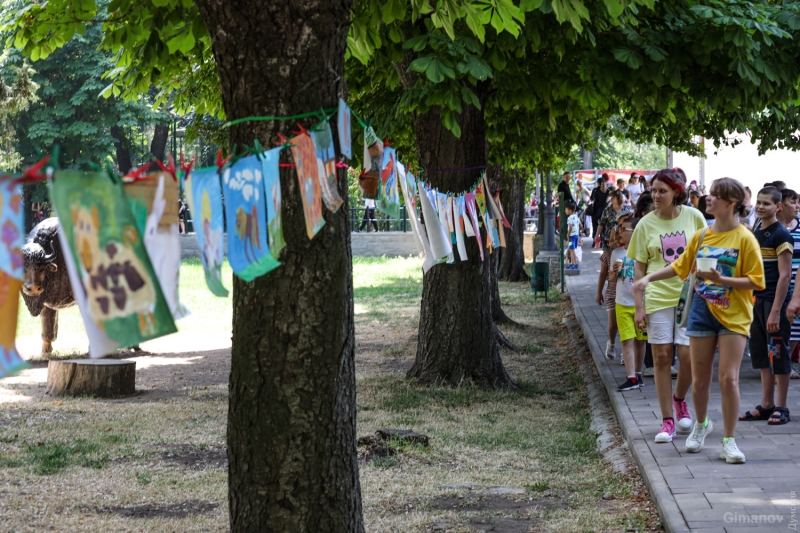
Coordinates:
[104,378]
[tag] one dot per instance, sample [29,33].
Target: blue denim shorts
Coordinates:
[702,323]
[573,242]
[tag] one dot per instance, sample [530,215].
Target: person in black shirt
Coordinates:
[598,199]
[563,187]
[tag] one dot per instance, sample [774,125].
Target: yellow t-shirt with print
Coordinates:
[659,243]
[738,255]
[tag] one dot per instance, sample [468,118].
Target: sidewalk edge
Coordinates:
[671,516]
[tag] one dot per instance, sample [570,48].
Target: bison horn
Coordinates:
[52,255]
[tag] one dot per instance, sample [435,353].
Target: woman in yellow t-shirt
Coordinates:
[729,268]
[659,239]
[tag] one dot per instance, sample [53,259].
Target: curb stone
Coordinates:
[671,517]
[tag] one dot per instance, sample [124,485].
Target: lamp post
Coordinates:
[549,221]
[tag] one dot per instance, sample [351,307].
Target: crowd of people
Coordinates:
[687,275]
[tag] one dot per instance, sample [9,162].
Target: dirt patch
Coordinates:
[478,503]
[164,510]
[504,524]
[191,457]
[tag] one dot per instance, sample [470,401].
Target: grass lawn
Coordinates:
[156,462]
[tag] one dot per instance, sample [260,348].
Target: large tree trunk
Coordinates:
[457,339]
[513,258]
[292,411]
[158,146]
[122,147]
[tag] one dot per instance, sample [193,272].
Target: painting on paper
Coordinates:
[245,208]
[205,200]
[326,167]
[11,273]
[121,293]
[154,202]
[389,197]
[369,180]
[345,134]
[272,187]
[305,158]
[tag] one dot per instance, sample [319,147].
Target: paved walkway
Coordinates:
[699,492]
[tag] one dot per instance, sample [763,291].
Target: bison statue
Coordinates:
[46,287]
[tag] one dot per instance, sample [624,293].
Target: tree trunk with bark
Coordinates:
[122,147]
[513,258]
[158,146]
[292,410]
[457,340]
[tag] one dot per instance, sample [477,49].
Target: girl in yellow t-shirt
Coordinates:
[729,268]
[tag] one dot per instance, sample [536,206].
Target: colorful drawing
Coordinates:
[326,167]
[672,246]
[345,135]
[11,273]
[154,201]
[388,197]
[245,207]
[305,157]
[369,180]
[718,295]
[272,187]
[472,212]
[117,289]
[437,238]
[205,202]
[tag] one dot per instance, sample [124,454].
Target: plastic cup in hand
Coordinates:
[706,264]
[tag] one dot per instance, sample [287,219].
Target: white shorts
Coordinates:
[662,329]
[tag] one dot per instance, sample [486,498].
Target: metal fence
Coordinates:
[383,221]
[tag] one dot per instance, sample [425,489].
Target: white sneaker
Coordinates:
[622,361]
[730,452]
[649,372]
[698,437]
[674,371]
[611,350]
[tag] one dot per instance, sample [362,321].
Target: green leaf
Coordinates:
[615,7]
[439,69]
[416,43]
[420,64]
[478,68]
[529,5]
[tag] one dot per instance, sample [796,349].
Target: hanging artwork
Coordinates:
[411,208]
[11,273]
[272,186]
[458,223]
[468,229]
[114,282]
[369,180]
[305,157]
[326,167]
[205,201]
[154,202]
[492,238]
[245,208]
[469,200]
[440,244]
[389,199]
[345,135]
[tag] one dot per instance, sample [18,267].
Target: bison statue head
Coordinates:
[38,262]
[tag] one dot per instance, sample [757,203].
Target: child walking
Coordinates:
[609,298]
[634,340]
[771,328]
[727,260]
[573,231]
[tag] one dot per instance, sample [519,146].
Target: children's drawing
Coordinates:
[272,187]
[326,167]
[154,201]
[437,238]
[11,273]
[389,199]
[117,289]
[369,180]
[245,207]
[345,135]
[305,157]
[205,201]
[469,200]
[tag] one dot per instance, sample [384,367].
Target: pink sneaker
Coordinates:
[667,432]
[682,415]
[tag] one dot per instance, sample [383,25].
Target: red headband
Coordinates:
[669,181]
